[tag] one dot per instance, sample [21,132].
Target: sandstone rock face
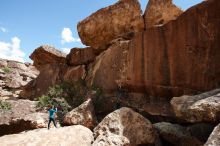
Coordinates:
[108,67]
[99,29]
[176,135]
[80,56]
[46,54]
[213,140]
[51,75]
[82,115]
[73,74]
[22,116]
[111,140]
[68,136]
[159,12]
[125,122]
[178,58]
[13,76]
[204,107]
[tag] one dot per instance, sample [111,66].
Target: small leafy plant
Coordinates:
[7,69]
[5,105]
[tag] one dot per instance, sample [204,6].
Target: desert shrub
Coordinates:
[7,69]
[5,105]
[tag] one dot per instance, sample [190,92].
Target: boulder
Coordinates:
[176,135]
[82,115]
[80,56]
[204,107]
[22,116]
[46,54]
[159,12]
[68,136]
[100,28]
[213,139]
[111,140]
[127,123]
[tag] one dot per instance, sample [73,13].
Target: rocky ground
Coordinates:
[158,76]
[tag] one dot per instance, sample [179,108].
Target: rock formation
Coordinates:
[53,70]
[213,140]
[13,76]
[22,116]
[68,136]
[82,115]
[46,54]
[176,135]
[159,12]
[204,107]
[80,56]
[125,122]
[99,29]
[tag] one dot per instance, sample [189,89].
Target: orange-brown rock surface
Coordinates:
[47,55]
[79,56]
[181,57]
[159,12]
[106,24]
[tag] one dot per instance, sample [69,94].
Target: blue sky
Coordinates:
[27,24]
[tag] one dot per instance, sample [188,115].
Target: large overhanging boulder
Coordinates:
[99,29]
[46,54]
[159,12]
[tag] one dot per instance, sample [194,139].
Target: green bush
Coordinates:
[5,105]
[7,69]
[67,96]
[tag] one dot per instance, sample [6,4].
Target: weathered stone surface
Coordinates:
[73,74]
[99,29]
[82,115]
[80,56]
[204,107]
[50,75]
[13,76]
[178,58]
[68,136]
[108,67]
[46,54]
[22,116]
[213,139]
[176,135]
[159,12]
[111,140]
[125,122]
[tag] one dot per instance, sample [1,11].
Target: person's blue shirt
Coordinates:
[51,112]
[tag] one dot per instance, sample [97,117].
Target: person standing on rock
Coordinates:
[52,112]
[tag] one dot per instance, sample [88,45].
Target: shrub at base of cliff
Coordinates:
[6,69]
[5,105]
[68,96]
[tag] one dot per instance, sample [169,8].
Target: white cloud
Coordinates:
[67,37]
[3,29]
[66,50]
[12,50]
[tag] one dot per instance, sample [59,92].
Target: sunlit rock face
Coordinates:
[159,12]
[100,28]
